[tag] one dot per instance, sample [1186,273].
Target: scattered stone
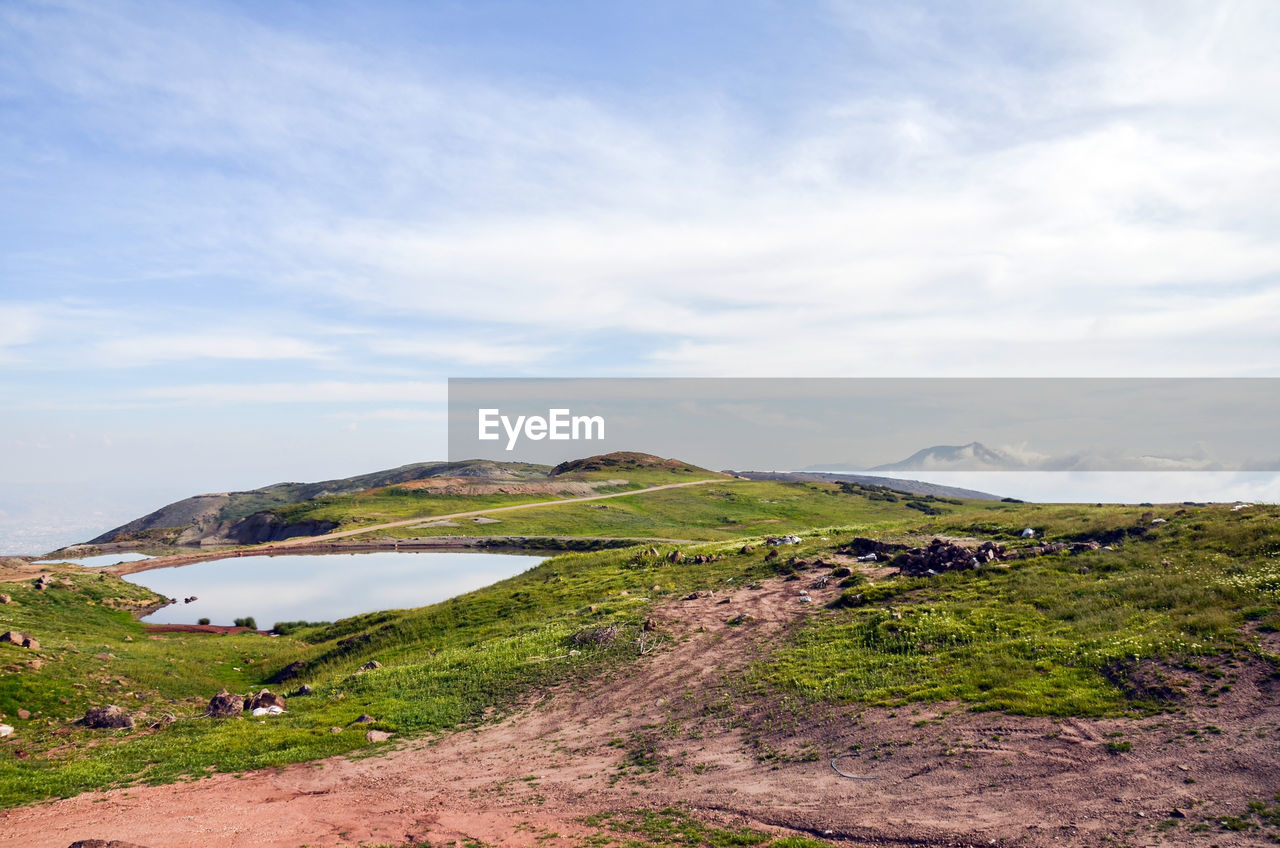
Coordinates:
[302,691]
[1177,813]
[366,719]
[263,700]
[377,736]
[104,656]
[649,625]
[24,714]
[6,599]
[675,556]
[746,549]
[225,705]
[370,665]
[104,843]
[109,717]
[128,638]
[655,588]
[335,730]
[41,583]
[772,555]
[943,556]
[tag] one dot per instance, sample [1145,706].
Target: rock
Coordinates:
[772,555]
[104,656]
[746,549]
[22,640]
[24,714]
[675,556]
[302,691]
[107,718]
[377,736]
[263,700]
[649,625]
[225,705]
[655,588]
[1177,813]
[6,599]
[653,552]
[104,843]
[370,665]
[366,719]
[164,721]
[335,730]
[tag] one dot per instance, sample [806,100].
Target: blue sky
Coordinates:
[242,244]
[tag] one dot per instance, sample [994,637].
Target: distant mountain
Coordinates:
[974,456]
[910,487]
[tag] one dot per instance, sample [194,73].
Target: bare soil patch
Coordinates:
[679,728]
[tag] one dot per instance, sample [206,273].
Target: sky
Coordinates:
[243,243]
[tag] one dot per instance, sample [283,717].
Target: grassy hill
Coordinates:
[1169,600]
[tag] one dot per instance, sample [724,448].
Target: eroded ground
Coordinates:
[680,728]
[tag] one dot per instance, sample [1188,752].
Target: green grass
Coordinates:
[1058,635]
[675,828]
[1055,635]
[727,509]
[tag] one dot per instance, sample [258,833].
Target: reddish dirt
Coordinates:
[220,629]
[944,776]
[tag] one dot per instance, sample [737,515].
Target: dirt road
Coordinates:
[678,728]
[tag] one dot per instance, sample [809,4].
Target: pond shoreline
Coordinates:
[543,544]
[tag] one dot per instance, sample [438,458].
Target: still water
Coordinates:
[101,559]
[321,587]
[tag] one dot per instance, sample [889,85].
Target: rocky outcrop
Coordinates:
[22,640]
[107,718]
[225,705]
[269,527]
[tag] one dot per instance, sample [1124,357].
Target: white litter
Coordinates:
[268,711]
[5,730]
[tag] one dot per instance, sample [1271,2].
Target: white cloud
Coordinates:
[319,392]
[147,349]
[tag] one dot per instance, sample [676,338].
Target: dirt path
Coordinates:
[678,728]
[310,541]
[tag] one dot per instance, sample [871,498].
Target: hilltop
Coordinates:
[292,510]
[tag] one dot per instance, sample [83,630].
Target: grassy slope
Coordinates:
[1038,637]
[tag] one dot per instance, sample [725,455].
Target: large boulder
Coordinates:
[225,705]
[264,699]
[22,640]
[108,718]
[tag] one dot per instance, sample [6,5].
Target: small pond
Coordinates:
[321,587]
